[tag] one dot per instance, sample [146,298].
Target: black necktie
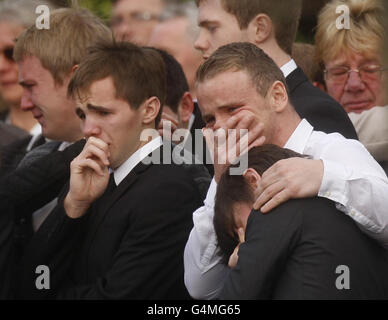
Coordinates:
[111,184]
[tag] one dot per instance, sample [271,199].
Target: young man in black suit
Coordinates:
[120,227]
[294,252]
[272,26]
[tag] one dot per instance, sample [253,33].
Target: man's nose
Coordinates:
[26,103]
[201,43]
[90,129]
[123,32]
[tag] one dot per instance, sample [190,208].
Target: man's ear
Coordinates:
[186,107]
[260,28]
[75,67]
[70,75]
[151,109]
[252,177]
[278,96]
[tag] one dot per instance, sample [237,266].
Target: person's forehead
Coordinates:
[30,68]
[226,89]
[227,79]
[168,31]
[124,7]
[211,10]
[8,34]
[349,57]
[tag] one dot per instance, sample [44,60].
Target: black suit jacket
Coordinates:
[294,251]
[12,154]
[129,245]
[318,108]
[10,133]
[196,131]
[23,191]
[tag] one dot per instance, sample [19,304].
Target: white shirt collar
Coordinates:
[288,67]
[299,138]
[121,172]
[36,129]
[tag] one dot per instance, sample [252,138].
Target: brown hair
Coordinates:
[234,189]
[242,56]
[285,16]
[65,43]
[137,73]
[304,56]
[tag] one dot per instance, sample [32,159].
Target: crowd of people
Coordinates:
[193,150]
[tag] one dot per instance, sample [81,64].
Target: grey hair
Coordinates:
[186,10]
[21,12]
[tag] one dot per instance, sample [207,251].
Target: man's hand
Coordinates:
[89,177]
[233,259]
[167,125]
[226,151]
[288,179]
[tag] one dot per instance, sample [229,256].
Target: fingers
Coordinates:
[93,152]
[241,235]
[278,199]
[83,164]
[167,125]
[233,259]
[267,193]
[97,150]
[168,117]
[94,156]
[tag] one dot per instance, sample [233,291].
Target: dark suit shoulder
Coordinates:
[326,239]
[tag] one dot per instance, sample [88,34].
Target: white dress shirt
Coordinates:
[121,172]
[288,67]
[352,179]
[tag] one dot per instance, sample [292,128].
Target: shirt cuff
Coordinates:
[334,182]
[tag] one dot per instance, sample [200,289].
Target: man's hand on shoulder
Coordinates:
[288,179]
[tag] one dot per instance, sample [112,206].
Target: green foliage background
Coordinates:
[103,7]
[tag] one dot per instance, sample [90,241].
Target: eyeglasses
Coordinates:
[370,72]
[8,53]
[134,17]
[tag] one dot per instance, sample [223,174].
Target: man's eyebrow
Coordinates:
[206,23]
[92,107]
[231,105]
[207,117]
[24,83]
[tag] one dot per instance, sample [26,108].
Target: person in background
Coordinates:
[134,20]
[178,111]
[354,73]
[352,55]
[176,33]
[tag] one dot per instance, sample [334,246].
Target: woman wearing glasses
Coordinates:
[349,45]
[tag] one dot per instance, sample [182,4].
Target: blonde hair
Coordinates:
[65,43]
[365,35]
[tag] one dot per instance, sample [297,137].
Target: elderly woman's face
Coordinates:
[356,81]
